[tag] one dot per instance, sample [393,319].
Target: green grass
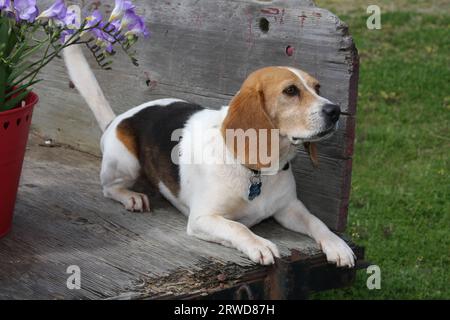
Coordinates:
[400,200]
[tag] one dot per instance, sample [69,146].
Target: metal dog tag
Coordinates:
[254,189]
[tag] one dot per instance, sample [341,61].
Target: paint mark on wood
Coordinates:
[289,50]
[273,11]
[302,17]
[198,20]
[151,84]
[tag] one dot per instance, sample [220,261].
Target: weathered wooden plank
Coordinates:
[201,51]
[325,190]
[62,219]
[88,139]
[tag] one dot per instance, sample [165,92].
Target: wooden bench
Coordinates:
[199,51]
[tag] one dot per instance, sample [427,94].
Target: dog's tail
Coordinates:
[84,80]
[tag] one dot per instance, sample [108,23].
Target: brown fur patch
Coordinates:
[247,112]
[158,168]
[147,134]
[310,81]
[125,134]
[261,104]
[311,148]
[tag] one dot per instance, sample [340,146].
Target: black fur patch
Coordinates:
[151,129]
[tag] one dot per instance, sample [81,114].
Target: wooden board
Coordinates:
[62,219]
[201,51]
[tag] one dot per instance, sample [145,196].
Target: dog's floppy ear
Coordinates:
[247,111]
[311,148]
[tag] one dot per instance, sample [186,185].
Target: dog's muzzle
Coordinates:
[331,113]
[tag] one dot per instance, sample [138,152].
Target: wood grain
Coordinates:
[62,219]
[201,51]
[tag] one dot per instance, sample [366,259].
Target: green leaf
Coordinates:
[19,70]
[4,34]
[5,47]
[7,36]
[23,66]
[22,87]
[12,42]
[2,83]
[24,51]
[14,101]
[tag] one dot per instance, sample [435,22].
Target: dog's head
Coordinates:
[286,99]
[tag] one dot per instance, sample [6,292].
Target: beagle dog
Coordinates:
[226,195]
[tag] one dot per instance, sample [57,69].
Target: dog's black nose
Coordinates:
[331,112]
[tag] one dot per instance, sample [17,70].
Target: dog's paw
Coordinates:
[136,202]
[261,251]
[337,251]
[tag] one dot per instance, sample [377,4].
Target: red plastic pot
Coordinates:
[14,129]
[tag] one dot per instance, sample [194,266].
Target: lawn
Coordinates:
[400,200]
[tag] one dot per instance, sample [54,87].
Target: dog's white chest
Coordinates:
[240,208]
[218,182]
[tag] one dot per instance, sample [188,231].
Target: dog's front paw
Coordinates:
[137,202]
[261,251]
[337,251]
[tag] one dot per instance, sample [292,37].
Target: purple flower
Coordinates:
[66,34]
[57,12]
[133,24]
[120,8]
[26,10]
[5,5]
[72,19]
[94,19]
[71,22]
[95,22]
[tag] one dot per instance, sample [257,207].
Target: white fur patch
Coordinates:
[310,90]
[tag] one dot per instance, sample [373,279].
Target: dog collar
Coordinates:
[255,186]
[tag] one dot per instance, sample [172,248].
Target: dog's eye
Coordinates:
[291,91]
[317,88]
